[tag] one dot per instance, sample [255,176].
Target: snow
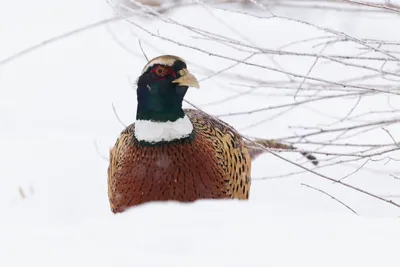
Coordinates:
[56,112]
[154,131]
[212,233]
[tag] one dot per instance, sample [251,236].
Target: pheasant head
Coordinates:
[160,91]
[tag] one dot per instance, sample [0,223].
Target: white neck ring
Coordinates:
[155,131]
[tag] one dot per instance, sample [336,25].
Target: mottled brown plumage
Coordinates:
[212,162]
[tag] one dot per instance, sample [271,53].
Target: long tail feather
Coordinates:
[255,150]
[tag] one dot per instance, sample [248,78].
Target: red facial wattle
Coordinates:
[161,72]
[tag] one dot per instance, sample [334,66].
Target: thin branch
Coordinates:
[369,4]
[395,177]
[353,172]
[144,54]
[391,136]
[331,179]
[98,151]
[322,131]
[116,115]
[286,105]
[309,71]
[334,198]
[58,38]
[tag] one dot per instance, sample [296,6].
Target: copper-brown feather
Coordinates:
[213,164]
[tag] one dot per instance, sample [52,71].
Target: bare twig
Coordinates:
[141,48]
[331,179]
[116,115]
[309,71]
[369,4]
[58,38]
[334,198]
[353,172]
[395,177]
[98,151]
[391,136]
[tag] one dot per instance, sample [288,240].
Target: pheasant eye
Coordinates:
[160,71]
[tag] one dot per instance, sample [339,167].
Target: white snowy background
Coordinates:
[56,122]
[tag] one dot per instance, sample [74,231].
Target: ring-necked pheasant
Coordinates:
[171,153]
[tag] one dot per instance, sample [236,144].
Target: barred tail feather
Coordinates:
[310,157]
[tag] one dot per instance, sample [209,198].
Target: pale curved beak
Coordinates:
[187,79]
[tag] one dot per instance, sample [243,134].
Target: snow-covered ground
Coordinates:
[208,233]
[55,106]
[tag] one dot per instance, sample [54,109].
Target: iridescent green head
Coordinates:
[161,88]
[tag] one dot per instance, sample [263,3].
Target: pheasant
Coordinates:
[176,154]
